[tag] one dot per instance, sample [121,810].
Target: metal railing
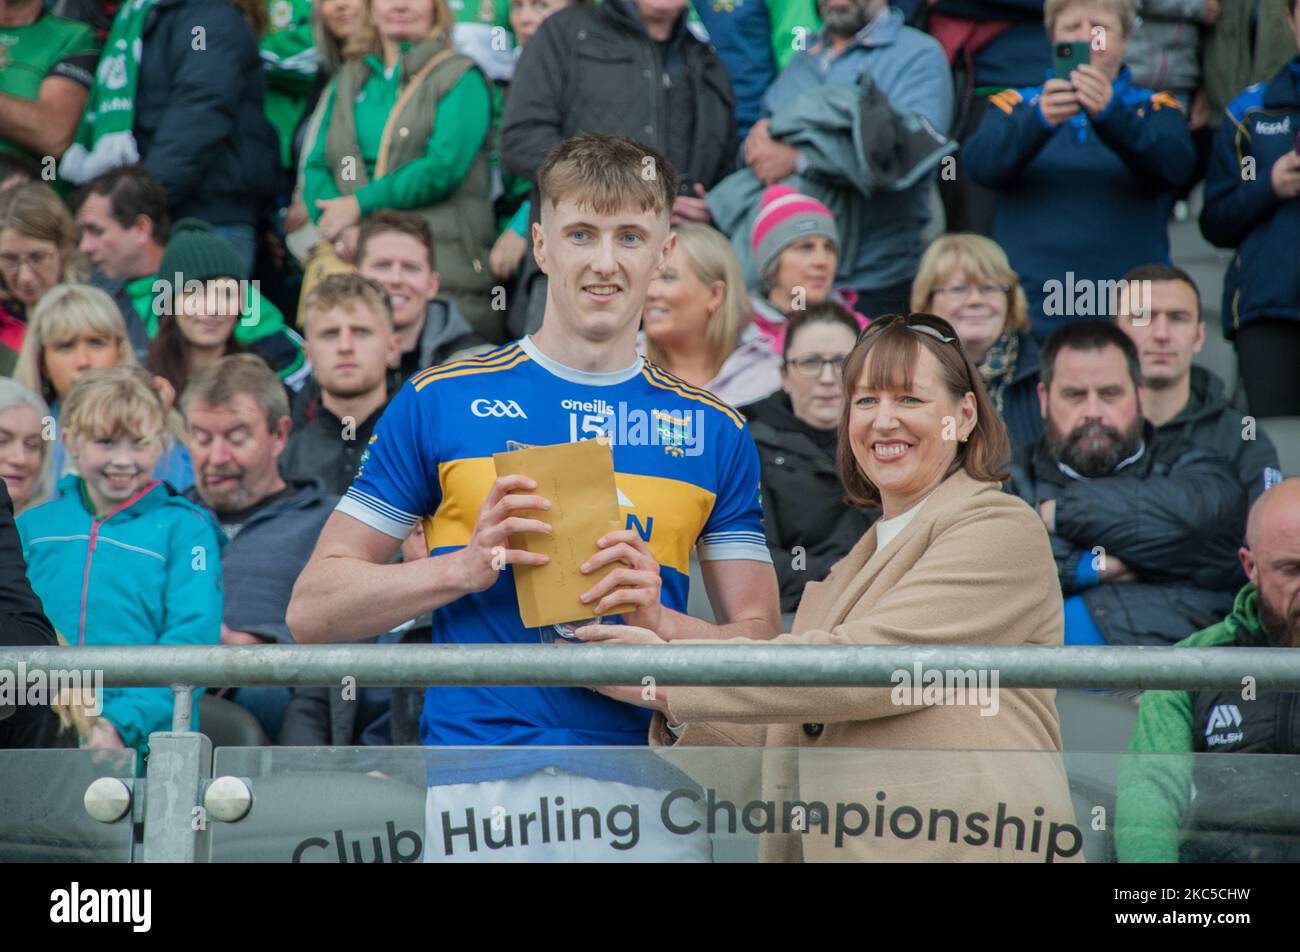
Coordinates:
[183,668]
[179,777]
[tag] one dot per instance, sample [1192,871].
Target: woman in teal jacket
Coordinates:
[119,558]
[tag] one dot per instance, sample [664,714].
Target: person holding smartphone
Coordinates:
[1087,166]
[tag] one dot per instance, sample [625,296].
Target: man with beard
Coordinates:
[237,415]
[1144,529]
[1239,813]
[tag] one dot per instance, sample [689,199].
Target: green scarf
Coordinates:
[999,366]
[104,139]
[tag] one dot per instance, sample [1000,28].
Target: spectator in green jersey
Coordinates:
[47,65]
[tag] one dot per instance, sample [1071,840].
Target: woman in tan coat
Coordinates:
[953,561]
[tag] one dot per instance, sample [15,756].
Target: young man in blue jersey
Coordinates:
[687,480]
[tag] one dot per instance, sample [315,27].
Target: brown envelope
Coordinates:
[578,479]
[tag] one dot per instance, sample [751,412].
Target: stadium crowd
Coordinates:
[234,233]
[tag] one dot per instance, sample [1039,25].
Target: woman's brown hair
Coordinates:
[169,352]
[896,346]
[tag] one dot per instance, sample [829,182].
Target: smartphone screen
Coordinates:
[1067,56]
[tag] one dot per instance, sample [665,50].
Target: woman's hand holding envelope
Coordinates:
[643,695]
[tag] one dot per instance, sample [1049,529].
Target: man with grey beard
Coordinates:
[1239,813]
[1145,530]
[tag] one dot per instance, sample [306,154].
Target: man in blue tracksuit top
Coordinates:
[1086,171]
[1251,204]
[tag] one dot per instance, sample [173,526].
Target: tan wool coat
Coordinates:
[973,567]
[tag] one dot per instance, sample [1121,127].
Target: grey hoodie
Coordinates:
[446,335]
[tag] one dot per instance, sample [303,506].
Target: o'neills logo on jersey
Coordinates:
[599,407]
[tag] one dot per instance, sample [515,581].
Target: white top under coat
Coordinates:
[888,529]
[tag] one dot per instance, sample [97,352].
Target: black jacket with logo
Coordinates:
[1244,810]
[1213,808]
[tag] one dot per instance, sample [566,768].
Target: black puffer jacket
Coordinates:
[198,112]
[1175,517]
[1210,423]
[803,500]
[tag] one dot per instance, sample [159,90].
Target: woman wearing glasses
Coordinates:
[809,525]
[954,560]
[967,280]
[38,249]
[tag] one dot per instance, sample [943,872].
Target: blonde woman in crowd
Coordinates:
[77,328]
[698,325]
[967,280]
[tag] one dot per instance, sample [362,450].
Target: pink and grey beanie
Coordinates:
[784,217]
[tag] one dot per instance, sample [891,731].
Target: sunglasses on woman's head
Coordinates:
[926,324]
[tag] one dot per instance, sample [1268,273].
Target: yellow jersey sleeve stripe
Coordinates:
[666,381]
[1006,100]
[1162,99]
[484,360]
[449,372]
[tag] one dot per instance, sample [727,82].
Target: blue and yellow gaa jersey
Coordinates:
[687,474]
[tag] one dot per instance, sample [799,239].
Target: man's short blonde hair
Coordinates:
[348,292]
[113,402]
[607,173]
[1124,10]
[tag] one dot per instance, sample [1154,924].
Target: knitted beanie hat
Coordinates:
[784,217]
[197,253]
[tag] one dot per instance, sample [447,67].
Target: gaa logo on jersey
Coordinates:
[497,408]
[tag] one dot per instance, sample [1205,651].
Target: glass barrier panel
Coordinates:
[734,804]
[43,816]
